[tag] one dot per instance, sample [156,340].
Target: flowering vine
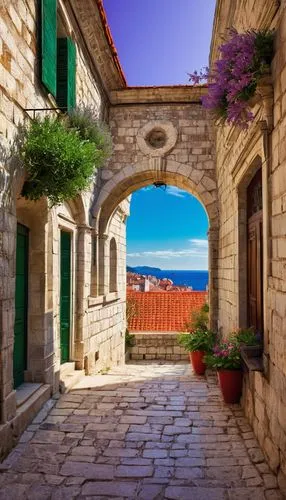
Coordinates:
[245,57]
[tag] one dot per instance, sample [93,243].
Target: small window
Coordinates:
[112,266]
[93,290]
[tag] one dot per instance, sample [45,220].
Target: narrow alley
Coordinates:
[144,430]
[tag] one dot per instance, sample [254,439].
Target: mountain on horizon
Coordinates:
[142,269]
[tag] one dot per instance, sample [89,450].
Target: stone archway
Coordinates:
[196,182]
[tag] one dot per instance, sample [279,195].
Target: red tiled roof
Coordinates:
[109,39]
[164,311]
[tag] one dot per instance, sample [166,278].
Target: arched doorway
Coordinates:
[134,177]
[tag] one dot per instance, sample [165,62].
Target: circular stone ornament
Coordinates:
[157,138]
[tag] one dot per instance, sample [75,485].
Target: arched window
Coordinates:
[112,266]
[94,267]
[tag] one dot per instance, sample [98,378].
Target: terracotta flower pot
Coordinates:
[230,382]
[196,357]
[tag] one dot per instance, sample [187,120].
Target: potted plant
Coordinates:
[251,347]
[61,154]
[198,342]
[226,359]
[233,81]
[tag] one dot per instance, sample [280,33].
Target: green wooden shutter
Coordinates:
[49,45]
[66,74]
[71,74]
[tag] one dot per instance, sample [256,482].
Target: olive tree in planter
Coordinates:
[61,155]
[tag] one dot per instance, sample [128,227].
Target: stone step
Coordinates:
[69,379]
[29,408]
[66,368]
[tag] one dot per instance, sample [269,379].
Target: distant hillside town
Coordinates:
[147,283]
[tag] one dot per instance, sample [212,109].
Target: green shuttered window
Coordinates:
[49,45]
[66,73]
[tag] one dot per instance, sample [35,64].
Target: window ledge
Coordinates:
[253,358]
[110,297]
[95,301]
[103,299]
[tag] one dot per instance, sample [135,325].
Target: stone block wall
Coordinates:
[186,160]
[106,313]
[238,155]
[20,89]
[159,345]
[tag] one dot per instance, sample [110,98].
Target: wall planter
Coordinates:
[230,382]
[237,75]
[252,357]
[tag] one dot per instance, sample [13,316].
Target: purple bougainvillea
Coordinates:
[245,57]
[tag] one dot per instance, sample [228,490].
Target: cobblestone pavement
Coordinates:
[143,431]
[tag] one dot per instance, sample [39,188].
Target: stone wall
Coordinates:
[94,328]
[159,345]
[239,154]
[185,159]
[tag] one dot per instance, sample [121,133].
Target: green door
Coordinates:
[65,297]
[21,306]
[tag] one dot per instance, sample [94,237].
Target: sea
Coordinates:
[198,280]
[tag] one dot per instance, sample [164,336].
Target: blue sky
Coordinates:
[167,229]
[158,43]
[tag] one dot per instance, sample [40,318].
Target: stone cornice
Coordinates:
[165,94]
[92,23]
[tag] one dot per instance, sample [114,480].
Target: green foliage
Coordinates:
[129,339]
[85,121]
[197,340]
[264,49]
[244,336]
[60,156]
[199,319]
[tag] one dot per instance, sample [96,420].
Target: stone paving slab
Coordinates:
[144,431]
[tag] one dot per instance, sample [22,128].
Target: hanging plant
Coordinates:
[245,57]
[60,155]
[89,128]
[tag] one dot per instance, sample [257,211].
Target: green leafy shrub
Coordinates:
[129,339]
[85,121]
[197,340]
[61,155]
[199,319]
[245,336]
